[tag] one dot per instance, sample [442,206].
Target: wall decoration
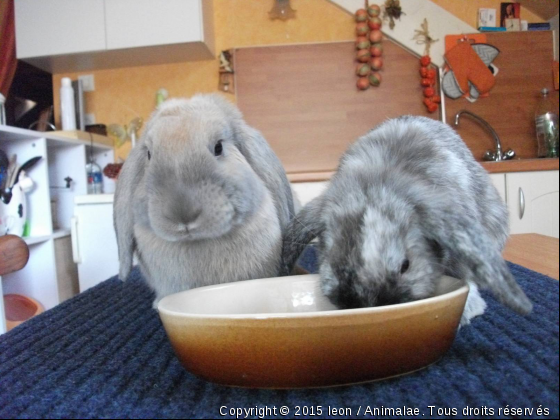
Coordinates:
[369,46]
[413,12]
[226,81]
[282,10]
[468,74]
[509,11]
[487,18]
[393,10]
[428,71]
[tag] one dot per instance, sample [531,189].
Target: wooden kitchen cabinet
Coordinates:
[56,27]
[532,199]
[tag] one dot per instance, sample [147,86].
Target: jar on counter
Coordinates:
[546,124]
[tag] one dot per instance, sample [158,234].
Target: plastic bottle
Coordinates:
[68,111]
[546,124]
[94,178]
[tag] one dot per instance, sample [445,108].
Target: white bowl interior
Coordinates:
[281,295]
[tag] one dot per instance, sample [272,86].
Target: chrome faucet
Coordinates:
[490,155]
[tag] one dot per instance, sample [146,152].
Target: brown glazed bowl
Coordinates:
[283,333]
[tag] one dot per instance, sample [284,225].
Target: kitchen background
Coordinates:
[125,93]
[301,94]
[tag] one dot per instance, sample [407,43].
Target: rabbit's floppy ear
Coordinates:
[303,228]
[262,159]
[130,176]
[267,166]
[471,245]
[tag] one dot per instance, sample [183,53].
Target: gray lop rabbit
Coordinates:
[408,204]
[202,199]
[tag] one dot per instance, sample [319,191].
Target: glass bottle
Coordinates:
[546,123]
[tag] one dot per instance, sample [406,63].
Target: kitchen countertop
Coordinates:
[521,165]
[94,199]
[515,165]
[537,252]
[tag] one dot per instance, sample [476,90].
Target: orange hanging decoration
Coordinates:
[428,72]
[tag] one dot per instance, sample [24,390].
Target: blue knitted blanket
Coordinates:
[104,353]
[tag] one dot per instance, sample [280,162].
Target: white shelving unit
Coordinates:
[46,277]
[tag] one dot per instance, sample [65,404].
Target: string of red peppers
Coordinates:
[369,46]
[429,73]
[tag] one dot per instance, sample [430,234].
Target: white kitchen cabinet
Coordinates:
[307,191]
[78,35]
[499,181]
[304,192]
[94,243]
[147,24]
[55,27]
[533,202]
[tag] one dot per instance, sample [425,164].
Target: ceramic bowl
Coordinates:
[19,309]
[283,333]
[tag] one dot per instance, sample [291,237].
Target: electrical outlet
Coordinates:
[88,83]
[89,119]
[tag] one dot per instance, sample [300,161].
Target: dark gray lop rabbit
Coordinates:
[408,204]
[202,199]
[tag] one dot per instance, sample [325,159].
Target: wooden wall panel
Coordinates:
[525,67]
[303,98]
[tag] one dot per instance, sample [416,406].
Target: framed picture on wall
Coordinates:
[509,11]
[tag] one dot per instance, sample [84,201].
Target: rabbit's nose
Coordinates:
[389,294]
[193,226]
[189,215]
[388,299]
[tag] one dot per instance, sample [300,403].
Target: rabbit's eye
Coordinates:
[218,149]
[149,155]
[405,266]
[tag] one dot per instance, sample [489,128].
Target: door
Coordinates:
[94,244]
[55,27]
[533,202]
[499,181]
[143,23]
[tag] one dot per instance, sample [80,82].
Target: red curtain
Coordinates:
[8,61]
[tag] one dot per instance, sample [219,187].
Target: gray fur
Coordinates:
[193,218]
[409,189]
